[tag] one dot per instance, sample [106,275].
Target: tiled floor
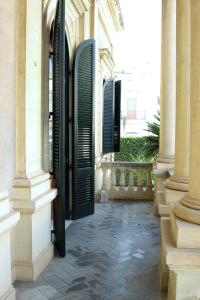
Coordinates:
[111,255]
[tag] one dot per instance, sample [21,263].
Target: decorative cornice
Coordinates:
[106,56]
[81,6]
[116,13]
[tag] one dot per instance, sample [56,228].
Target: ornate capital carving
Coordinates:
[81,6]
[116,14]
[106,56]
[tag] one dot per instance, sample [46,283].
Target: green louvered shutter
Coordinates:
[108,116]
[83,130]
[117,117]
[59,138]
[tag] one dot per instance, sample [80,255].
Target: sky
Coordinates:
[138,45]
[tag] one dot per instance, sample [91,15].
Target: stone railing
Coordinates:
[127,180]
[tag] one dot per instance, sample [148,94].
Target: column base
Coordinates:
[188,209]
[175,190]
[184,284]
[185,234]
[163,208]
[177,183]
[160,177]
[32,235]
[164,272]
[30,271]
[183,264]
[172,196]
[165,162]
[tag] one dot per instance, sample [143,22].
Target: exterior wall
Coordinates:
[7,93]
[8,218]
[138,85]
[24,71]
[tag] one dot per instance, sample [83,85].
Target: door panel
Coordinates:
[108,116]
[59,123]
[83,130]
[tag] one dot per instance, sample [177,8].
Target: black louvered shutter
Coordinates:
[67,80]
[83,130]
[117,117]
[108,116]
[59,139]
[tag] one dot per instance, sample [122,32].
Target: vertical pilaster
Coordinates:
[8,218]
[32,194]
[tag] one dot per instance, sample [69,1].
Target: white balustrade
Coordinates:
[119,177]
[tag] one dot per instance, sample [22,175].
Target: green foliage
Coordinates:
[151,147]
[130,150]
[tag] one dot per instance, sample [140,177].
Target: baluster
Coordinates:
[113,179]
[148,181]
[122,180]
[131,181]
[139,181]
[104,180]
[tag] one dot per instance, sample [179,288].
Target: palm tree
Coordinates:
[151,147]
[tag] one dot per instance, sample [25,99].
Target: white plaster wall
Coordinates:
[5,264]
[7,93]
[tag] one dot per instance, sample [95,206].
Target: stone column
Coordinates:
[178,183]
[165,159]
[32,194]
[181,232]
[189,207]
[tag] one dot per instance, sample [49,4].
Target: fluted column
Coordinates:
[182,145]
[168,83]
[189,207]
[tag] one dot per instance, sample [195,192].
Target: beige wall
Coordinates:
[7,92]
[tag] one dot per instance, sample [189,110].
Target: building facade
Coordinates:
[27,188]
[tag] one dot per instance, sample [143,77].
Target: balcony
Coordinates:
[127,180]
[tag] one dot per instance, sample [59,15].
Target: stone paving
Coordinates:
[111,255]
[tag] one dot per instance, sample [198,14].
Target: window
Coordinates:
[111,116]
[131,109]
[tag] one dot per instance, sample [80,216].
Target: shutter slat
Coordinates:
[117,116]
[108,116]
[59,115]
[83,129]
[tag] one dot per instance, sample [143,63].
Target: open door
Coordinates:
[108,116]
[111,116]
[83,130]
[117,117]
[59,126]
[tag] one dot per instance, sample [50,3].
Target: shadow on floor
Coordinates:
[113,254]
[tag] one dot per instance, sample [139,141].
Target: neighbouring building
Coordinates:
[139,99]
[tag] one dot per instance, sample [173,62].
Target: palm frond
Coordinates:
[151,146]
